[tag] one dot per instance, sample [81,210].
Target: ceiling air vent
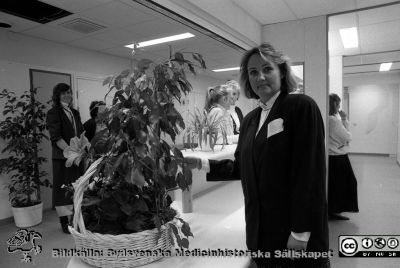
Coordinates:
[82,26]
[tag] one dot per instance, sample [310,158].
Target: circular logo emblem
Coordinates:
[367,243]
[349,246]
[392,243]
[380,243]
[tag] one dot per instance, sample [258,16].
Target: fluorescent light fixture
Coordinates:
[226,69]
[385,67]
[162,40]
[349,37]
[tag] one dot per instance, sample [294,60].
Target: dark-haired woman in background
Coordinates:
[64,123]
[280,159]
[342,184]
[91,126]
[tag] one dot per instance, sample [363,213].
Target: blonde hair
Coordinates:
[233,85]
[214,94]
[265,50]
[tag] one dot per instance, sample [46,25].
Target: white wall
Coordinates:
[336,75]
[304,41]
[19,53]
[374,112]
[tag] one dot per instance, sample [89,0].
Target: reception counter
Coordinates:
[200,184]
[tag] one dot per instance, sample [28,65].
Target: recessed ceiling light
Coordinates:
[385,67]
[226,69]
[349,37]
[162,40]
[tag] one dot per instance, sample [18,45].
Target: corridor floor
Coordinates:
[218,222]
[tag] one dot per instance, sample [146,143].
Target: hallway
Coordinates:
[218,222]
[378,180]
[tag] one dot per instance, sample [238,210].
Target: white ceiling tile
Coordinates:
[151,56]
[352,60]
[396,65]
[157,28]
[56,23]
[267,12]
[361,68]
[76,5]
[139,7]
[116,14]
[118,36]
[123,52]
[379,47]
[161,52]
[378,15]
[312,8]
[376,58]
[381,57]
[370,3]
[342,21]
[379,29]
[17,24]
[382,32]
[91,43]
[54,34]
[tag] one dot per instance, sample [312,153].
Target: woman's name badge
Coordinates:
[274,127]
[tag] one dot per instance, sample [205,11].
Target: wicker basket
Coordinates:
[99,249]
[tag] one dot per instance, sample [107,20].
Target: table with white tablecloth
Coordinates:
[199,182]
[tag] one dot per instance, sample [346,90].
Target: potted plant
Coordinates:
[203,130]
[122,200]
[23,130]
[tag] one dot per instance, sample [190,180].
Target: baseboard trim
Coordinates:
[212,188]
[371,154]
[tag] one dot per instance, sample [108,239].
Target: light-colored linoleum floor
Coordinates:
[218,222]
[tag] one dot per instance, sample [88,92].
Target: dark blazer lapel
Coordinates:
[66,122]
[271,116]
[253,127]
[248,157]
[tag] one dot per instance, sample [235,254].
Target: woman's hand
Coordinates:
[343,115]
[295,244]
[192,162]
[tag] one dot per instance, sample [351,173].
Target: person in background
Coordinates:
[342,184]
[92,125]
[235,112]
[63,123]
[280,160]
[217,106]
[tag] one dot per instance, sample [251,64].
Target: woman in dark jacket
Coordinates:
[280,160]
[63,123]
[91,125]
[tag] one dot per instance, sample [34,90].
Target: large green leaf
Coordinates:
[90,201]
[182,183]
[179,58]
